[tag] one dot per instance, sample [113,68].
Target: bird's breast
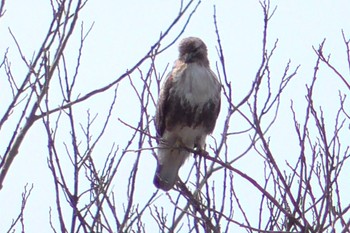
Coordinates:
[196,84]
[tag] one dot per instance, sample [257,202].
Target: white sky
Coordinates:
[124,31]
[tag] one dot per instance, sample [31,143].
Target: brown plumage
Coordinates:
[188,106]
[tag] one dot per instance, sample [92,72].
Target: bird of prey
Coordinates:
[187,109]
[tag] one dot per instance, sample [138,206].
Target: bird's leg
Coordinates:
[179,144]
[201,152]
[200,146]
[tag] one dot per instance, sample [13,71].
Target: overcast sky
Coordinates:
[123,32]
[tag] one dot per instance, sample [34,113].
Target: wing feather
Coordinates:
[163,105]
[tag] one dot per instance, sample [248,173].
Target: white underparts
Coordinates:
[196,84]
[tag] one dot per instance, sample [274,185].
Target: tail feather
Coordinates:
[169,163]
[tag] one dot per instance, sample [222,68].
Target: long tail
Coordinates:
[169,163]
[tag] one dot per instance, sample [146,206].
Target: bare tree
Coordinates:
[102,194]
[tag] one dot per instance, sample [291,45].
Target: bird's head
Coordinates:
[193,49]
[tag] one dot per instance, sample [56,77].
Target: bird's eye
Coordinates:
[195,49]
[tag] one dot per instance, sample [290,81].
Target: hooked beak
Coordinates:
[189,58]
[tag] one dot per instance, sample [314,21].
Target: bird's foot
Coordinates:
[199,151]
